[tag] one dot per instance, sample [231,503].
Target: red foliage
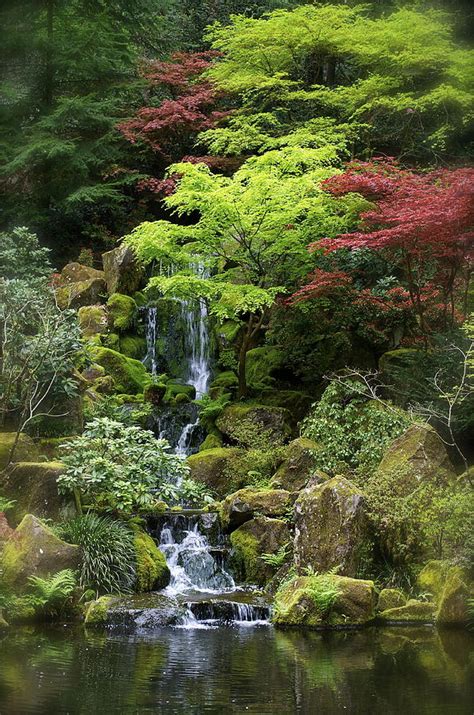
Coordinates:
[323,283]
[176,120]
[424,224]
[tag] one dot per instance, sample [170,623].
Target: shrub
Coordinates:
[353,430]
[119,466]
[108,555]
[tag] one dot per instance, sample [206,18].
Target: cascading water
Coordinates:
[151,336]
[194,547]
[195,552]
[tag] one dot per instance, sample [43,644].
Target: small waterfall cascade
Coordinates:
[196,552]
[151,336]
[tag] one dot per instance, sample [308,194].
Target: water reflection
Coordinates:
[236,670]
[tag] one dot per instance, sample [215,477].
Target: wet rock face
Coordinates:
[254,426]
[244,504]
[418,454]
[298,466]
[451,587]
[331,527]
[325,601]
[258,536]
[34,550]
[134,613]
[122,273]
[34,487]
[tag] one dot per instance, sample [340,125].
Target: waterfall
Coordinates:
[151,337]
[197,343]
[194,564]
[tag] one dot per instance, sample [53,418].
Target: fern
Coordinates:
[277,559]
[6,504]
[51,593]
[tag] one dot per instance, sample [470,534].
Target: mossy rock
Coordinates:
[261,365]
[228,331]
[332,528]
[34,550]
[253,425]
[133,346]
[154,393]
[212,441]
[122,311]
[26,450]
[122,272]
[112,341]
[298,466]
[130,376]
[93,320]
[76,272]
[76,295]
[421,454]
[214,468]
[412,612]
[151,568]
[34,487]
[136,612]
[325,601]
[250,541]
[243,505]
[451,587]
[390,598]
[175,389]
[296,402]
[225,383]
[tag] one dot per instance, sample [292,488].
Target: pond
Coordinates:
[252,669]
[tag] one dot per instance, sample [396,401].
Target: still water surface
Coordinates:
[256,670]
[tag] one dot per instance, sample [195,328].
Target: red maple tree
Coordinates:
[171,127]
[423,223]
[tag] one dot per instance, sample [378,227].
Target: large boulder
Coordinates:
[93,320]
[250,541]
[129,376]
[325,601]
[331,527]
[122,311]
[298,466]
[134,613]
[34,550]
[34,488]
[412,612]
[253,425]
[262,366]
[76,295]
[77,273]
[122,272]
[215,468]
[390,598]
[25,451]
[451,587]
[243,505]
[151,567]
[295,401]
[419,453]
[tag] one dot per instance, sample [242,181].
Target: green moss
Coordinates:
[229,330]
[96,613]
[122,312]
[92,320]
[227,380]
[212,441]
[432,578]
[390,598]
[261,365]
[133,346]
[20,609]
[296,402]
[75,295]
[324,601]
[174,389]
[152,570]
[112,341]
[130,376]
[246,555]
[254,425]
[412,612]
[213,467]
[140,299]
[26,451]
